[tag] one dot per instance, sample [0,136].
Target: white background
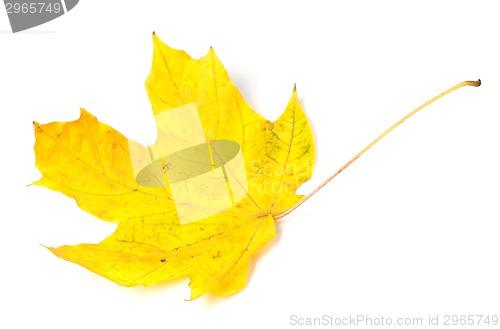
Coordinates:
[410,229]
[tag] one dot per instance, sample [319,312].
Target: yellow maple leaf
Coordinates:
[201,200]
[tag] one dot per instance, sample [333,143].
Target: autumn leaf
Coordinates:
[202,200]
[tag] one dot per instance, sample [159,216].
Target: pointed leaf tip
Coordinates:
[51,249]
[37,183]
[83,112]
[211,52]
[155,37]
[295,95]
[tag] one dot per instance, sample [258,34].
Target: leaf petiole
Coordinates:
[476,83]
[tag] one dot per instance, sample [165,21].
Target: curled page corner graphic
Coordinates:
[25,14]
[204,177]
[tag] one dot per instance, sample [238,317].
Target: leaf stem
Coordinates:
[462,84]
